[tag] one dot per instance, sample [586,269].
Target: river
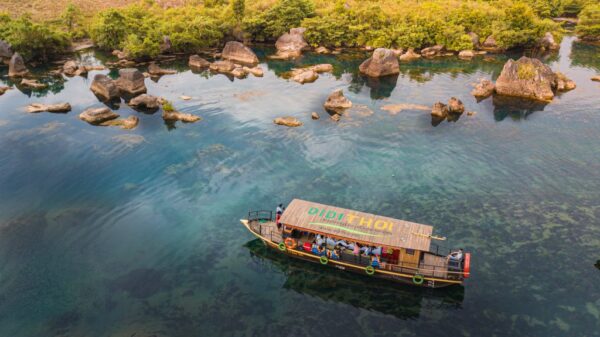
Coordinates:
[110,232]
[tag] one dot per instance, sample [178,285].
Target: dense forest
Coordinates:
[139,28]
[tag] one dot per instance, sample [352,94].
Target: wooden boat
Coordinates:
[391,249]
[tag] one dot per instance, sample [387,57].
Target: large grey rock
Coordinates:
[16,66]
[527,78]
[237,52]
[337,102]
[6,51]
[131,81]
[145,101]
[197,62]
[105,88]
[383,62]
[291,44]
[98,115]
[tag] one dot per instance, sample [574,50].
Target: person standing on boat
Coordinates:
[278,213]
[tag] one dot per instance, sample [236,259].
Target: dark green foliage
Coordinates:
[589,23]
[239,7]
[32,40]
[285,14]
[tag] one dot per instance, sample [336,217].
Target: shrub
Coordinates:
[589,23]
[526,71]
[109,29]
[32,40]
[285,14]
[168,106]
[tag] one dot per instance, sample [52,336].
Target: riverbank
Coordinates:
[145,30]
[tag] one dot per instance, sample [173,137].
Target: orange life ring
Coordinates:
[290,243]
[467,265]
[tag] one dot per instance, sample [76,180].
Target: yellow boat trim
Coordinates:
[299,252]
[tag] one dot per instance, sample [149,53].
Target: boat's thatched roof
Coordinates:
[356,226]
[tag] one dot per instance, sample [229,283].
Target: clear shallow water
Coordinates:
[106,232]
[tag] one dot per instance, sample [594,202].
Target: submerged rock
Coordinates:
[131,81]
[105,88]
[527,78]
[483,89]
[322,68]
[291,44]
[127,123]
[305,76]
[337,102]
[314,115]
[395,109]
[145,101]
[256,71]
[33,84]
[596,78]
[466,54]
[173,116]
[237,52]
[97,116]
[287,121]
[383,62]
[197,62]
[38,107]
[410,55]
[155,70]
[16,66]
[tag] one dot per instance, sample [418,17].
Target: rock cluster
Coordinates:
[432,51]
[198,63]
[441,110]
[32,84]
[383,62]
[72,68]
[291,44]
[145,101]
[410,55]
[309,74]
[483,89]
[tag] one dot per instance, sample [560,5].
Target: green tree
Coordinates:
[109,29]
[239,7]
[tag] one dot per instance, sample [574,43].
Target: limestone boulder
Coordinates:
[225,67]
[322,50]
[38,107]
[128,123]
[322,68]
[16,66]
[562,83]
[105,88]
[237,52]
[256,71]
[155,70]
[432,51]
[383,62]
[291,44]
[287,121]
[314,115]
[483,89]
[526,78]
[197,62]
[305,76]
[439,110]
[145,101]
[131,82]
[97,116]
[6,51]
[548,42]
[410,55]
[173,116]
[33,84]
[490,44]
[337,102]
[455,106]
[466,54]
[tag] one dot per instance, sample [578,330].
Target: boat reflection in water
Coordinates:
[364,292]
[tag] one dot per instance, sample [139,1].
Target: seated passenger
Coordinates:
[315,249]
[330,242]
[335,254]
[375,261]
[455,256]
[356,249]
[319,240]
[377,251]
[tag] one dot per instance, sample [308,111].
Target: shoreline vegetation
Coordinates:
[146,29]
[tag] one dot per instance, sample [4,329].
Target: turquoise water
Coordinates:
[107,232]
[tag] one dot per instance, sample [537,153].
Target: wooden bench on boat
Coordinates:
[407,253]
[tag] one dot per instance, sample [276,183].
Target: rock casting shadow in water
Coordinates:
[359,291]
[381,87]
[515,108]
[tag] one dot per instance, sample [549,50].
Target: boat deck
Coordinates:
[267,229]
[439,264]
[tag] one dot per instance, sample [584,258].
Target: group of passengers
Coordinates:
[326,246]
